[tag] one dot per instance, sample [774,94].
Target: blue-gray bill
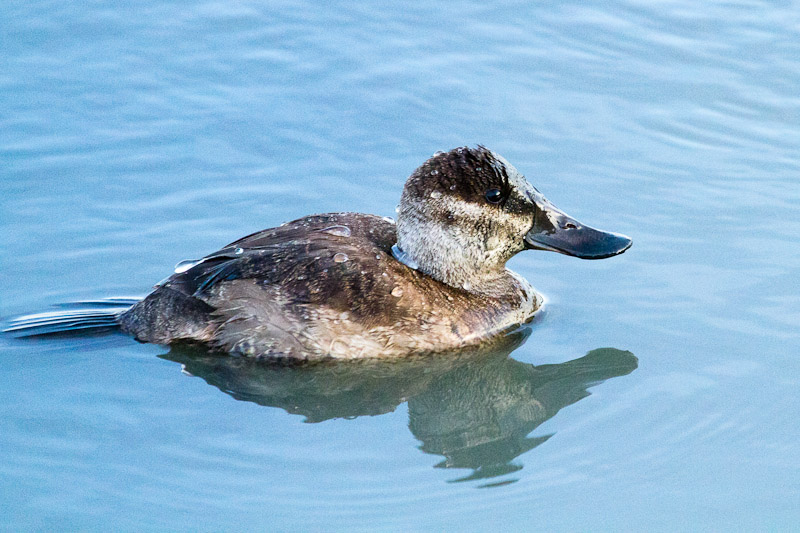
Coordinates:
[556,231]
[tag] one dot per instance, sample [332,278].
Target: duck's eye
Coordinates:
[493,196]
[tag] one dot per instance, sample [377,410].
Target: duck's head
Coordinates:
[465,212]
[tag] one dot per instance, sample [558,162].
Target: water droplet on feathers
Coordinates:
[185,265]
[339,231]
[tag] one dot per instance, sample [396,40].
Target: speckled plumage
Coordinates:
[286,294]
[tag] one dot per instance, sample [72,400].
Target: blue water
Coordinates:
[657,392]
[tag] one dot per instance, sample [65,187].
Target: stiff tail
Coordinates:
[76,316]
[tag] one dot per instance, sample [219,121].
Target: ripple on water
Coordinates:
[677,123]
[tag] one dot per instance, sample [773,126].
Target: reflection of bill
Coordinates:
[480,416]
[476,408]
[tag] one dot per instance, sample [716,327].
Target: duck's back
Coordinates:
[323,285]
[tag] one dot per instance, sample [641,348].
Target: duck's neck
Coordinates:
[451,257]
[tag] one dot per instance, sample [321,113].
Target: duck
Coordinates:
[356,286]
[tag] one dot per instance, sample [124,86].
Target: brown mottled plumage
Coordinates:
[314,296]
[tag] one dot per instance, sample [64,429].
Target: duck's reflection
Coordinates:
[476,408]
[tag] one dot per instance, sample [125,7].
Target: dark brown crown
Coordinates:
[465,173]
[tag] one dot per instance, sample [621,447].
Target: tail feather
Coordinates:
[114,301]
[90,314]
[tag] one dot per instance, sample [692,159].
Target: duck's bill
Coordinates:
[556,231]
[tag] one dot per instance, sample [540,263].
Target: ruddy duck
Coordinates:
[349,285]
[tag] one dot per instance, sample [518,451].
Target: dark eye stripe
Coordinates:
[494,196]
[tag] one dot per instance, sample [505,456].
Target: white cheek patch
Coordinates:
[467,210]
[493,242]
[468,232]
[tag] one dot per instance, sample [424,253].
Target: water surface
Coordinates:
[657,392]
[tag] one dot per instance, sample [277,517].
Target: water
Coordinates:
[133,136]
